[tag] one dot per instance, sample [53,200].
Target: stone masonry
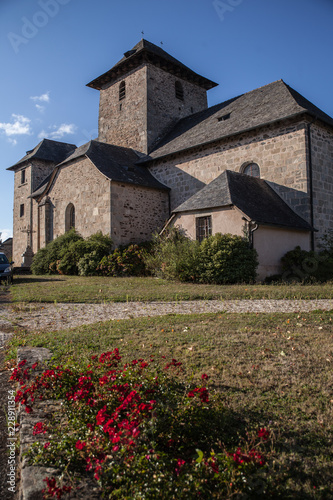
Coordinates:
[279,151]
[322,161]
[81,184]
[136,212]
[149,109]
[35,173]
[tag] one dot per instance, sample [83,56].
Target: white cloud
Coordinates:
[42,134]
[58,132]
[40,108]
[19,126]
[41,98]
[6,233]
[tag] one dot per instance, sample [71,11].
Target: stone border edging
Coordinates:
[32,476]
[31,483]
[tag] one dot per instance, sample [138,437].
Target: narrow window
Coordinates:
[179,90]
[204,227]
[23,176]
[69,217]
[72,217]
[252,169]
[223,118]
[21,210]
[122,91]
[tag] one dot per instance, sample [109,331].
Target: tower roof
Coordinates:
[47,150]
[145,51]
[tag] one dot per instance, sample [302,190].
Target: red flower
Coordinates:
[180,463]
[263,433]
[204,376]
[46,445]
[80,445]
[39,428]
[203,394]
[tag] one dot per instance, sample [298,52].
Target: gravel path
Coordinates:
[60,316]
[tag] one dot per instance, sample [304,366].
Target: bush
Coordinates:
[173,256]
[226,259]
[64,253]
[88,264]
[89,252]
[218,259]
[45,260]
[125,261]
[303,265]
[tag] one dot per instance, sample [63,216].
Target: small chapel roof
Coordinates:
[252,196]
[265,105]
[145,51]
[117,163]
[47,150]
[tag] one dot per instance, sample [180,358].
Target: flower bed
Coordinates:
[140,431]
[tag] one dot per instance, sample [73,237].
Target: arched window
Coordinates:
[122,91]
[179,90]
[69,217]
[251,169]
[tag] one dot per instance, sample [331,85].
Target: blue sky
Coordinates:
[50,50]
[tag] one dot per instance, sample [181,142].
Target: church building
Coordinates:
[259,164]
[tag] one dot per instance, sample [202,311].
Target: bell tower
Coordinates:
[144,95]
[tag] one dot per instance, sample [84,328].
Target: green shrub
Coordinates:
[173,256]
[218,259]
[88,264]
[125,261]
[303,265]
[45,260]
[64,253]
[224,259]
[96,246]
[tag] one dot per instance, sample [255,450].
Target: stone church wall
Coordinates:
[322,171]
[35,172]
[81,184]
[124,122]
[149,109]
[280,153]
[136,212]
[164,108]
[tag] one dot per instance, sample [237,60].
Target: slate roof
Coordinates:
[116,163]
[41,188]
[145,51]
[47,150]
[254,197]
[268,104]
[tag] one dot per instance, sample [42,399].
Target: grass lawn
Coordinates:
[103,289]
[273,370]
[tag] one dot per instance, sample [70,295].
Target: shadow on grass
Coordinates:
[18,280]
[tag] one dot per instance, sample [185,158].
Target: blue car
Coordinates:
[6,269]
